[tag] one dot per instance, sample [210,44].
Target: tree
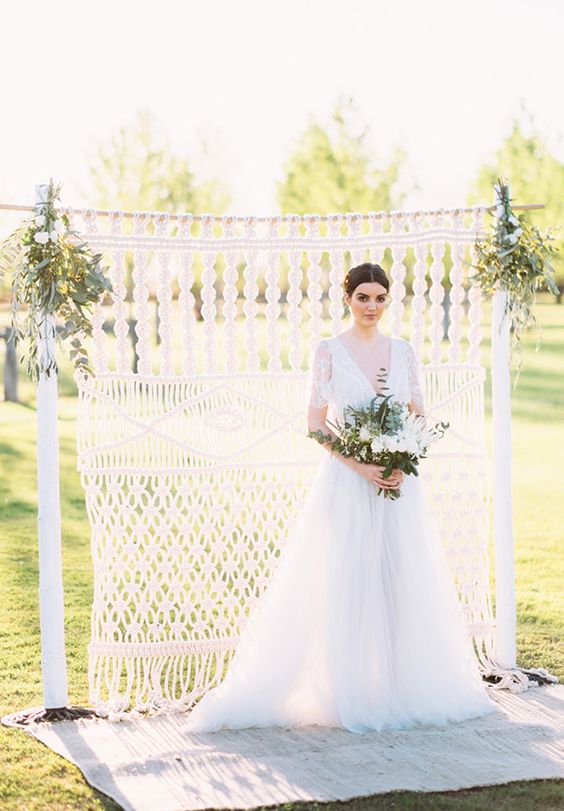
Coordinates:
[332,169]
[136,170]
[535,176]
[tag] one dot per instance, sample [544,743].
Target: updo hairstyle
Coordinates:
[367,272]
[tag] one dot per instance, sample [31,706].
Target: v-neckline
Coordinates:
[355,362]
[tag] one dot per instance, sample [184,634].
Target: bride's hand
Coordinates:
[374,474]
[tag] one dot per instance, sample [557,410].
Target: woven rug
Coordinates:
[152,764]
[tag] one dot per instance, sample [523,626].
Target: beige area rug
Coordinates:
[152,764]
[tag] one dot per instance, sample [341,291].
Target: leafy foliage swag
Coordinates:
[515,257]
[55,273]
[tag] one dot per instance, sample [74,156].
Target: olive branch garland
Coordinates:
[517,257]
[54,273]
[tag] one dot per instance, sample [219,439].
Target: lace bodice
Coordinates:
[336,379]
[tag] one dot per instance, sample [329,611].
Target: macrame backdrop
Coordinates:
[196,463]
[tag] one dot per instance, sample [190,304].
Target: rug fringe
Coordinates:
[516,679]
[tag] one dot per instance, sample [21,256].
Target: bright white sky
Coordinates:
[441,78]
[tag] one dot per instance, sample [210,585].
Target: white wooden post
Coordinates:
[51,603]
[502,509]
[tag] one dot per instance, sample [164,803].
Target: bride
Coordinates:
[360,626]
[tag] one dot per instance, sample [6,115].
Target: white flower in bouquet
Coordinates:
[53,236]
[377,444]
[392,444]
[42,237]
[40,220]
[387,443]
[59,227]
[365,434]
[412,426]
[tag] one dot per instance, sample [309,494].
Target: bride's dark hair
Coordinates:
[367,272]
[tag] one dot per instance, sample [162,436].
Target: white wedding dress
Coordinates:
[360,626]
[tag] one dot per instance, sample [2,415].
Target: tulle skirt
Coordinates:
[360,626]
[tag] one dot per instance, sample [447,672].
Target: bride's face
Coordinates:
[367,303]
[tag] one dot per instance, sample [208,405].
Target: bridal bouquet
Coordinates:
[385,432]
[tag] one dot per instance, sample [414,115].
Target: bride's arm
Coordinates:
[317,421]
[416,408]
[320,391]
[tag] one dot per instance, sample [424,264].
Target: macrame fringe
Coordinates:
[166,684]
[136,686]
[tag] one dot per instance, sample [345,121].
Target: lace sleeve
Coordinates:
[416,394]
[320,376]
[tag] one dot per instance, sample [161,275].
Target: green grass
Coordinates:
[32,777]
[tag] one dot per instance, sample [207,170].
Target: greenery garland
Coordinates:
[516,257]
[54,273]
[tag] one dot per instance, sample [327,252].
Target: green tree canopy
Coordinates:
[332,169]
[136,170]
[535,175]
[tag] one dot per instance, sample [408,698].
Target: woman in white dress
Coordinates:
[360,626]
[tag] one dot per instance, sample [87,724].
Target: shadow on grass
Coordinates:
[17,507]
[7,449]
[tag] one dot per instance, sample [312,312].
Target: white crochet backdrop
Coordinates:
[195,464]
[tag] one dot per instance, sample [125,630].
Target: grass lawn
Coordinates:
[32,777]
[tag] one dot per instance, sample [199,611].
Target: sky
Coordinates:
[439,78]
